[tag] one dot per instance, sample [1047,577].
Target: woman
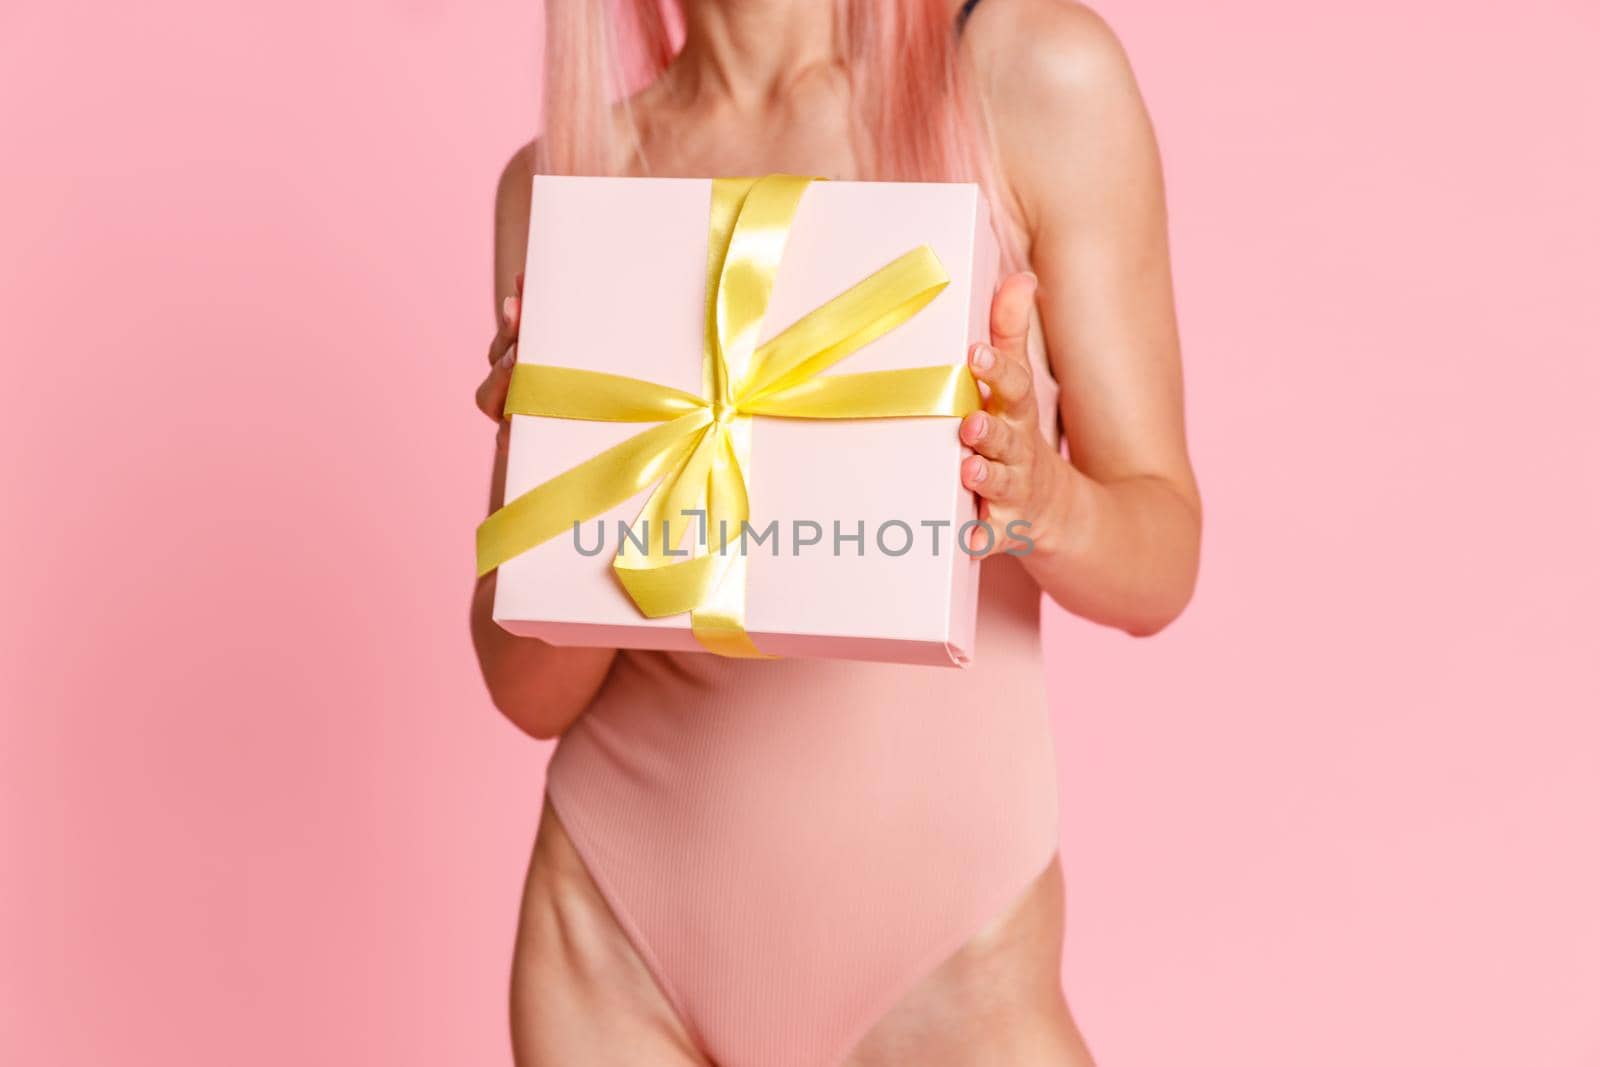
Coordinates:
[810,863]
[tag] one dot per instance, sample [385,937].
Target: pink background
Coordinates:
[256,810]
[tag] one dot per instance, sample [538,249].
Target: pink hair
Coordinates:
[916,115]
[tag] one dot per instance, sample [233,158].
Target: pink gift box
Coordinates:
[615,282]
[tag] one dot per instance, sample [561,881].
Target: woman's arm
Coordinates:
[539,687]
[1116,530]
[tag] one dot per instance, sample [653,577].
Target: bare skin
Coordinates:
[1116,528]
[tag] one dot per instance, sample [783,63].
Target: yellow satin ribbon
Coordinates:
[698,455]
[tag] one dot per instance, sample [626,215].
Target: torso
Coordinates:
[848,728]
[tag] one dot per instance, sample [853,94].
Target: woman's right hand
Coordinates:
[491,395]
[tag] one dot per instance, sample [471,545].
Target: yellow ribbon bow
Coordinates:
[698,455]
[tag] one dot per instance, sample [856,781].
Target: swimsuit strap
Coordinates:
[964,14]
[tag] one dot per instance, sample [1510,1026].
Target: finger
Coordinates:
[1010,380]
[1009,314]
[992,437]
[491,396]
[510,322]
[983,539]
[519,283]
[992,481]
[991,532]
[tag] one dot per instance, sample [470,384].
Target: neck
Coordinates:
[752,51]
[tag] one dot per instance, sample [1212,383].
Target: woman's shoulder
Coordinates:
[1032,55]
[1057,85]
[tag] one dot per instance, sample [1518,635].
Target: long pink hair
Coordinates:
[916,116]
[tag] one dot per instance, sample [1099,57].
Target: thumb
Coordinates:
[1010,312]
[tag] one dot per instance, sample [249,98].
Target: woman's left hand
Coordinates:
[1016,473]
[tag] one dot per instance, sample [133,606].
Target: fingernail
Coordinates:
[980,471]
[508,360]
[1033,279]
[982,357]
[980,426]
[506,307]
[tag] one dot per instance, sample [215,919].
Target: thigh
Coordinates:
[996,1000]
[579,991]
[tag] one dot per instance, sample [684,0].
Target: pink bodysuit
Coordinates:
[791,845]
